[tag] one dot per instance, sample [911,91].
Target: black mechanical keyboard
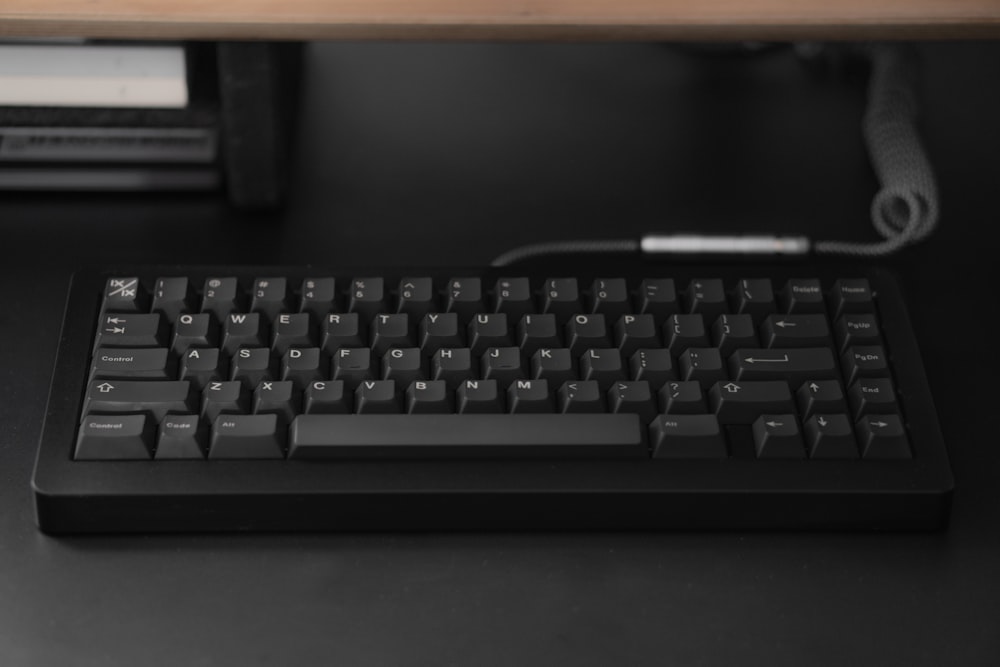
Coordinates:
[287,399]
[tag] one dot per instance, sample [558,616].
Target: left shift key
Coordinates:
[156,398]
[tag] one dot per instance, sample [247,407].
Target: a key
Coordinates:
[221,296]
[439,330]
[741,402]
[114,437]
[247,437]
[243,330]
[586,331]
[793,365]
[425,397]
[251,365]
[731,332]
[376,397]
[883,437]
[795,331]
[366,296]
[683,331]
[220,398]
[181,437]
[687,437]
[155,397]
[131,330]
[194,330]
[529,396]
[269,296]
[125,295]
[580,396]
[830,436]
[301,366]
[778,437]
[820,396]
[479,396]
[291,330]
[609,296]
[512,296]
[318,297]
[635,397]
[173,296]
[802,295]
[390,331]
[453,366]
[872,396]
[536,331]
[416,297]
[654,366]
[326,397]
[677,398]
[152,363]
[203,365]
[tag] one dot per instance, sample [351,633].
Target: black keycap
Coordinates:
[291,330]
[682,398]
[479,396]
[302,366]
[464,296]
[635,397]
[388,331]
[131,330]
[864,361]
[453,365]
[820,396]
[706,297]
[830,436]
[221,296]
[502,364]
[269,296]
[243,330]
[428,397]
[173,296]
[603,366]
[251,365]
[584,332]
[703,365]
[115,437]
[634,332]
[416,297]
[152,363]
[795,331]
[529,396]
[276,398]
[125,295]
[353,365]
[657,297]
[488,330]
[326,397]
[403,365]
[319,297]
[155,397]
[554,365]
[653,366]
[872,396]
[778,437]
[366,296]
[742,402]
[754,297]
[194,330]
[793,365]
[687,437]
[513,297]
[376,397]
[857,329]
[342,330]
[580,396]
[439,330]
[851,296]
[683,331]
[609,296]
[536,331]
[883,437]
[802,295]
[247,437]
[471,436]
[224,398]
[731,332]
[203,365]
[561,297]
[181,437]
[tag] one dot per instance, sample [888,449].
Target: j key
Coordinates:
[464,296]
[221,296]
[376,397]
[703,365]
[553,364]
[439,330]
[403,365]
[778,437]
[883,437]
[366,296]
[754,297]
[731,332]
[707,297]
[173,296]
[682,398]
[453,366]
[125,295]
[851,296]
[830,436]
[821,396]
[181,437]
[802,295]
[654,366]
[580,396]
[488,330]
[586,331]
[269,296]
[793,365]
[276,398]
[743,402]
[243,330]
[872,396]
[634,397]
[224,398]
[683,331]
[342,330]
[326,397]
[122,362]
[301,366]
[609,296]
[479,396]
[416,296]
[502,364]
[513,297]
[115,437]
[156,397]
[247,437]
[390,331]
[319,297]
[561,297]
[428,397]
[131,330]
[529,396]
[795,331]
[687,437]
[857,329]
[290,330]
[472,436]
[251,365]
[634,332]
[536,331]
[864,361]
[353,366]
[203,365]
[657,297]
[603,366]
[197,330]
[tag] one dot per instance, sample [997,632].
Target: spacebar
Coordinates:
[467,436]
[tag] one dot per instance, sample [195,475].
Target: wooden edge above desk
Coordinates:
[503,19]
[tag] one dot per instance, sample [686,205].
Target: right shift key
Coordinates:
[793,365]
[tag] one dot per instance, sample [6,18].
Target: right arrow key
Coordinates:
[883,437]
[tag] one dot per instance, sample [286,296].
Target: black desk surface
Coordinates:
[443,154]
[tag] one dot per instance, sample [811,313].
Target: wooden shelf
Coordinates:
[503,19]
